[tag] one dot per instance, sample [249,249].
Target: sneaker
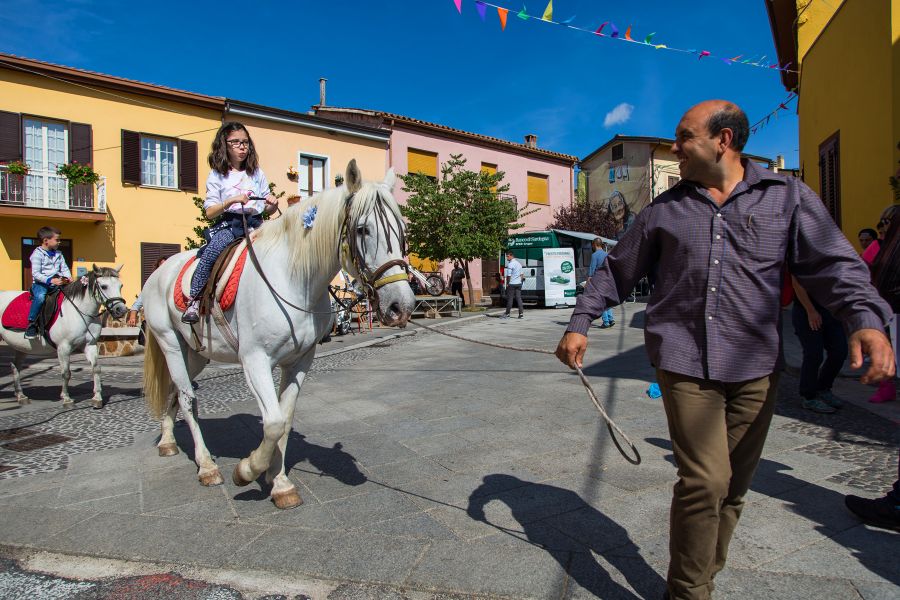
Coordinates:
[880,512]
[830,399]
[521,316]
[604,326]
[503,317]
[816,404]
[887,391]
[31,333]
[611,323]
[192,314]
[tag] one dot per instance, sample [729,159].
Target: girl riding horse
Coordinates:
[232,187]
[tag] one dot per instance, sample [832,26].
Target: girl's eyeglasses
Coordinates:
[238,143]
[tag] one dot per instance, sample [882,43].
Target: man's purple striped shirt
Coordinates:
[715,310]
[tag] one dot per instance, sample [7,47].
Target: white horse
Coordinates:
[281,311]
[77,326]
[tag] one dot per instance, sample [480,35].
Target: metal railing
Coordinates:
[42,189]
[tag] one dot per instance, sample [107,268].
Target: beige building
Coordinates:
[627,172]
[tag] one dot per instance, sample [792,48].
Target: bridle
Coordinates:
[101,298]
[351,254]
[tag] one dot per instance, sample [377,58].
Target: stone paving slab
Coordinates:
[430,467]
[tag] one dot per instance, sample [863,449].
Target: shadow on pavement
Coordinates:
[571,537]
[825,508]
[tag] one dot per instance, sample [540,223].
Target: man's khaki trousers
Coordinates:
[718,430]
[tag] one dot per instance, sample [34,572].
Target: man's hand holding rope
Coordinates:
[571,348]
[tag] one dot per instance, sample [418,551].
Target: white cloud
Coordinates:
[620,114]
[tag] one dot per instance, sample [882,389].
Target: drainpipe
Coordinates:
[391,146]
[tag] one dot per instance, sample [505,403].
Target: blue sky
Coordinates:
[422,59]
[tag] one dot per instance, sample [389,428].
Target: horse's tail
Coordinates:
[157,380]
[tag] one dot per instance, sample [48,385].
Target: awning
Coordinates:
[584,236]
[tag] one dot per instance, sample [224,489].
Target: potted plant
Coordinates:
[78,174]
[291,173]
[17,167]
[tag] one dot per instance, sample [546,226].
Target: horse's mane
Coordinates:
[75,290]
[311,247]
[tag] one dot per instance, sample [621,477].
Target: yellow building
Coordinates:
[148,143]
[303,154]
[848,55]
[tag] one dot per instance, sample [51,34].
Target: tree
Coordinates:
[197,241]
[460,217]
[588,216]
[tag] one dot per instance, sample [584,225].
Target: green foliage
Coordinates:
[458,217]
[78,174]
[197,241]
[587,217]
[17,167]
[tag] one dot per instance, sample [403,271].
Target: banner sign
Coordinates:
[559,276]
[541,239]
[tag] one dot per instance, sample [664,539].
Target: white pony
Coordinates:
[77,326]
[281,311]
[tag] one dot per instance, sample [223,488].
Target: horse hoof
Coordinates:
[211,478]
[68,403]
[287,499]
[97,402]
[237,478]
[23,400]
[168,449]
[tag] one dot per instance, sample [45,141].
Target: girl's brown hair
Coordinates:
[218,156]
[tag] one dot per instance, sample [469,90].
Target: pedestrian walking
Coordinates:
[514,280]
[718,241]
[597,260]
[456,277]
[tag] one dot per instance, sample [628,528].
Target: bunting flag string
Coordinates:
[765,120]
[547,17]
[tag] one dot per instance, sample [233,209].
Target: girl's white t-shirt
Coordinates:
[218,188]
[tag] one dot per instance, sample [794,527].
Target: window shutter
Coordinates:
[10,136]
[538,189]
[830,176]
[421,161]
[187,165]
[131,157]
[81,150]
[150,253]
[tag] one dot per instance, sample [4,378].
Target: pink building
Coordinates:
[540,181]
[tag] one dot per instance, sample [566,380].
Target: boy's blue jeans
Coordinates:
[39,291]
[607,316]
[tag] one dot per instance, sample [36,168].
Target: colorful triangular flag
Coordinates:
[458,4]
[649,38]
[615,30]
[522,14]
[569,20]
[480,7]
[502,12]
[548,12]
[600,29]
[628,34]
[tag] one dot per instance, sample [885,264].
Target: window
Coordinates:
[490,170]
[538,189]
[158,162]
[422,161]
[673,181]
[618,152]
[830,175]
[46,148]
[312,174]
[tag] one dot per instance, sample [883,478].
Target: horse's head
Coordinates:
[106,287]
[373,245]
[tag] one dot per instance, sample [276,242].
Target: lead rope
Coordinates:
[610,424]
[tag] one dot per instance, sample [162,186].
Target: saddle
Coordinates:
[15,317]
[223,280]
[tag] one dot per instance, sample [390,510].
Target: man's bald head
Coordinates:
[722,114]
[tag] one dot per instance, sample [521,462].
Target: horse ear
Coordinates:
[119,268]
[390,179]
[353,178]
[95,268]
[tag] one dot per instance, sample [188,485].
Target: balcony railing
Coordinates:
[43,189]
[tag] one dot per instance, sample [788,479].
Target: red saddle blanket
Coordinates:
[15,316]
[228,294]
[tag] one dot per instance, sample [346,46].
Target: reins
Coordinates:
[97,295]
[610,424]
